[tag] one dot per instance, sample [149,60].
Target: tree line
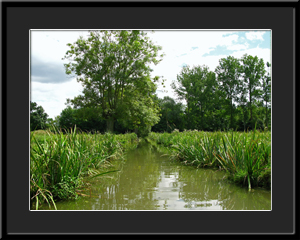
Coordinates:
[119,92]
[237,95]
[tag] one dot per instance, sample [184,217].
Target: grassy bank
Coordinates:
[61,162]
[245,156]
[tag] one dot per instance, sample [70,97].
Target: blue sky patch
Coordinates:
[242,39]
[266,43]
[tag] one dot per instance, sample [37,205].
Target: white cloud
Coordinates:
[52,97]
[255,35]
[265,54]
[51,46]
[238,46]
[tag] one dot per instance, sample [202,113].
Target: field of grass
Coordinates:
[245,156]
[61,162]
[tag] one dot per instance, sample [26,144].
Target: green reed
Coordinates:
[245,156]
[60,161]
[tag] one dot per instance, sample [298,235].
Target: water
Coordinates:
[149,181]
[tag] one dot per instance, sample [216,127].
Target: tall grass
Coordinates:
[60,161]
[245,156]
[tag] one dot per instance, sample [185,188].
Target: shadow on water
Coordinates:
[150,181]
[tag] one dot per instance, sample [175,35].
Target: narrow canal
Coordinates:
[149,181]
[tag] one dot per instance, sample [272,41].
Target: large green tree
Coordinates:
[38,117]
[114,69]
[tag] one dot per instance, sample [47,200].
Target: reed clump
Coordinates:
[245,156]
[60,161]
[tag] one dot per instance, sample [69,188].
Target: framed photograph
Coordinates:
[156,52]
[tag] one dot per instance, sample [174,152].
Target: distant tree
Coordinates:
[172,116]
[266,94]
[228,74]
[197,86]
[89,119]
[50,122]
[114,69]
[67,118]
[183,88]
[56,121]
[86,119]
[253,73]
[38,117]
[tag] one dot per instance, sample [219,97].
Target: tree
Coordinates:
[205,97]
[197,86]
[183,91]
[228,73]
[38,117]
[140,108]
[266,95]
[88,119]
[253,72]
[172,116]
[67,119]
[114,69]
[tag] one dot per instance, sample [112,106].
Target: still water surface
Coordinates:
[149,181]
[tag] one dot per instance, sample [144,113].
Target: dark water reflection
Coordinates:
[148,181]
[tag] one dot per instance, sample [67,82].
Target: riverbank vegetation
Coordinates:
[61,163]
[245,156]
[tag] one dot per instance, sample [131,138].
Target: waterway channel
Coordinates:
[149,181]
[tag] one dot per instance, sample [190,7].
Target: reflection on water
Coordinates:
[149,181]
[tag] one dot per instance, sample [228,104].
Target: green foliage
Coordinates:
[199,88]
[86,119]
[236,96]
[228,72]
[253,73]
[38,117]
[67,118]
[172,116]
[114,69]
[266,97]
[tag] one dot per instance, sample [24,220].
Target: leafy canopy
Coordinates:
[114,69]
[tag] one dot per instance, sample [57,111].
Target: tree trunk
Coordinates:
[110,125]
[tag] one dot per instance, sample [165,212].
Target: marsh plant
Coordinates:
[245,156]
[61,161]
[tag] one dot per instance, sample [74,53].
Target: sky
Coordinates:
[50,86]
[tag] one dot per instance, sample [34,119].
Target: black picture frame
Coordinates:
[19,17]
